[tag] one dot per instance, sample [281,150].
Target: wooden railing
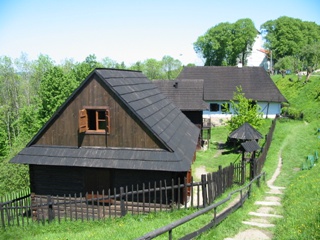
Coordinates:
[160,196]
[218,217]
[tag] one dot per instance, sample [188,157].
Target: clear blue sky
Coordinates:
[127,30]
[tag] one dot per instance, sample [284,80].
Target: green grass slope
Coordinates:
[302,96]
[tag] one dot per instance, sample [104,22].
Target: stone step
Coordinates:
[265,203]
[256,224]
[275,187]
[265,215]
[266,209]
[275,191]
[252,233]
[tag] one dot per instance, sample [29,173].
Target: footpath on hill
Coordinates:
[262,220]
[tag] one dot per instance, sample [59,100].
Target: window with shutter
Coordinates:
[94,120]
[83,121]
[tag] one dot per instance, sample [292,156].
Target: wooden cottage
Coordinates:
[187,95]
[116,129]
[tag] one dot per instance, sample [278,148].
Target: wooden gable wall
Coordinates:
[125,130]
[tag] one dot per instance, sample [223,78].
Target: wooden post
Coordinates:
[2,215]
[204,189]
[249,191]
[33,206]
[185,198]
[253,166]
[179,193]
[122,206]
[243,172]
[50,209]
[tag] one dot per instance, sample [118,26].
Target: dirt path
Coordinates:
[262,219]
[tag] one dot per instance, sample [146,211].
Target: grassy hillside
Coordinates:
[302,96]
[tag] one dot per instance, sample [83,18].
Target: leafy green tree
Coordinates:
[55,88]
[109,63]
[83,69]
[10,93]
[215,45]
[224,43]
[286,36]
[171,67]
[38,69]
[138,66]
[288,63]
[4,147]
[152,69]
[243,39]
[244,110]
[310,55]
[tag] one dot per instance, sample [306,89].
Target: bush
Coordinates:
[292,113]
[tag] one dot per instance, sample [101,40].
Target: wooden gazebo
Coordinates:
[246,132]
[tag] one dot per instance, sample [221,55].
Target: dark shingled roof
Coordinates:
[250,146]
[162,118]
[246,132]
[186,94]
[220,83]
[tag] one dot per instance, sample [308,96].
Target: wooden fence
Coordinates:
[244,193]
[160,196]
[257,164]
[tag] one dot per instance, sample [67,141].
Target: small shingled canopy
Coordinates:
[246,132]
[250,146]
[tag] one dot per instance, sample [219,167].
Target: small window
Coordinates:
[214,107]
[93,120]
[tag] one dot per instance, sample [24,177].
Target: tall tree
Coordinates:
[82,70]
[9,98]
[286,36]
[224,43]
[109,63]
[288,63]
[38,68]
[243,39]
[152,69]
[171,66]
[310,55]
[54,90]
[138,66]
[244,110]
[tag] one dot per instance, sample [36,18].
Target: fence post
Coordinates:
[50,210]
[249,191]
[2,215]
[252,168]
[243,172]
[122,206]
[204,189]
[34,207]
